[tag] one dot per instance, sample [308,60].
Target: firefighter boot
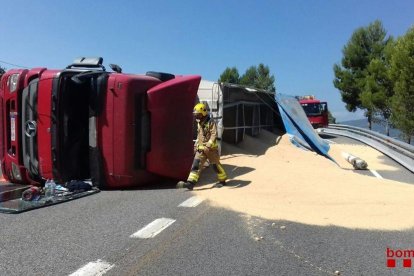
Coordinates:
[219,184]
[185,184]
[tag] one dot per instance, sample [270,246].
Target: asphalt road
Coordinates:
[203,240]
[94,233]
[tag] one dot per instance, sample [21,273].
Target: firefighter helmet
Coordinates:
[200,108]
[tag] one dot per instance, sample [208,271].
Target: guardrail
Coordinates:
[402,147]
[401,152]
[391,140]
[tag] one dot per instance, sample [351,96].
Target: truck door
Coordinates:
[170,105]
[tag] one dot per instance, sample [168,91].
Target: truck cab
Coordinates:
[315,110]
[83,122]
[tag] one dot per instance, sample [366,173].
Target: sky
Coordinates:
[300,41]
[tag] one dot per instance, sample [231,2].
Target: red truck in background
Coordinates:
[316,111]
[83,122]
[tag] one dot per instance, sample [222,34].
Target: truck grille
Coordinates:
[29,128]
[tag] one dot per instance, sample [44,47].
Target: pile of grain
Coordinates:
[272,179]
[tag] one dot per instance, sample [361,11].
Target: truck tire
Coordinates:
[161,76]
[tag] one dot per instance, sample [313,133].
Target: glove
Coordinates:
[200,148]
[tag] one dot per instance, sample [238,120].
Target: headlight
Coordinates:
[16,172]
[12,82]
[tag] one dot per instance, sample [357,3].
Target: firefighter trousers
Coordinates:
[199,159]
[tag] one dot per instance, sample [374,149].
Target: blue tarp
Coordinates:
[298,127]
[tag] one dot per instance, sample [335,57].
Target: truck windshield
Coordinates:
[312,109]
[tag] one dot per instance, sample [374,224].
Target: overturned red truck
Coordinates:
[83,122]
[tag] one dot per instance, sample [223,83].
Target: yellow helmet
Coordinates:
[200,108]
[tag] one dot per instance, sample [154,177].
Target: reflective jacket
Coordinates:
[207,134]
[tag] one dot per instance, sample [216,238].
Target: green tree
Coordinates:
[259,77]
[379,87]
[331,118]
[249,77]
[362,69]
[402,72]
[265,80]
[230,75]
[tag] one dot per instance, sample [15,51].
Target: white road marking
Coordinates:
[153,229]
[376,174]
[93,269]
[191,202]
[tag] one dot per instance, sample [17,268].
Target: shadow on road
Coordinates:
[207,178]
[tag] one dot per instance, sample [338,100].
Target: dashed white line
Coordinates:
[153,229]
[191,202]
[376,174]
[100,267]
[93,269]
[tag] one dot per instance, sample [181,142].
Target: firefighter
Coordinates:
[206,148]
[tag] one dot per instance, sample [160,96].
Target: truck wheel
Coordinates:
[161,76]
